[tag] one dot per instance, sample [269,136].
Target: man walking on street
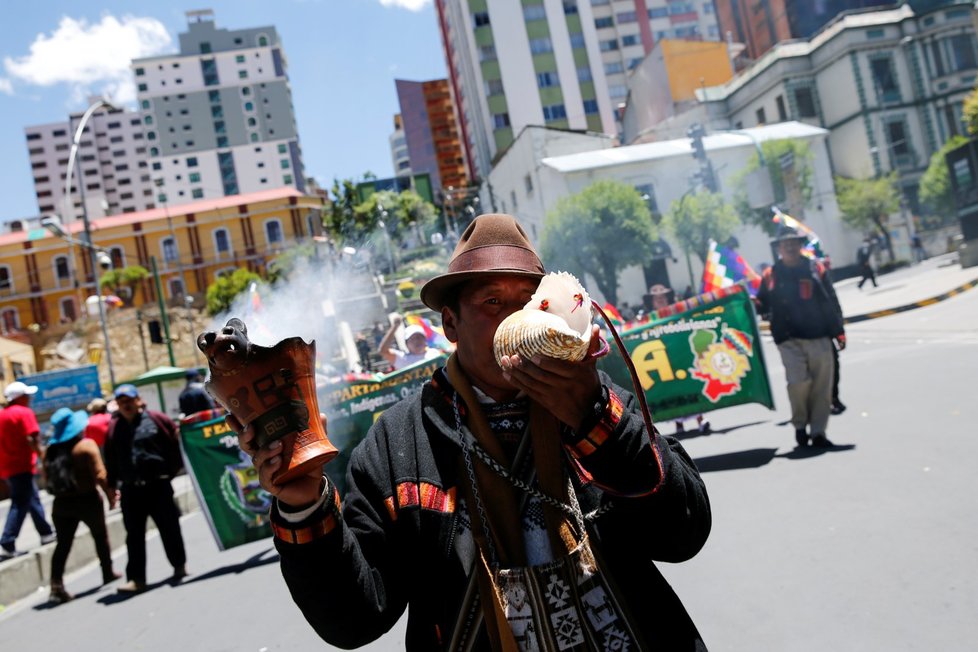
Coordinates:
[863,259]
[805,316]
[19,448]
[142,454]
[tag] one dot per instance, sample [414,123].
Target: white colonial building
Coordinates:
[544,165]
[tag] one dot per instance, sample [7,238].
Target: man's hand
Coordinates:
[840,341]
[298,493]
[565,389]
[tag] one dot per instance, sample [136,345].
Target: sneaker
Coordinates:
[48,538]
[59,595]
[837,408]
[110,577]
[704,427]
[680,428]
[10,553]
[821,441]
[132,586]
[801,437]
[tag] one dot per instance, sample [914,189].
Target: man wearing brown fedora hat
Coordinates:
[511,506]
[797,295]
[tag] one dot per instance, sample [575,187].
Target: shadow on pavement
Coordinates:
[749,459]
[252,562]
[801,453]
[116,598]
[692,433]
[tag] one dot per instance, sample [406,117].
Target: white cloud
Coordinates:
[412,5]
[90,58]
[6,87]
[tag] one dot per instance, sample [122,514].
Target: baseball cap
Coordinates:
[126,390]
[17,389]
[413,330]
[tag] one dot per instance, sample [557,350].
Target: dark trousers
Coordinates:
[67,513]
[835,377]
[24,500]
[868,275]
[154,499]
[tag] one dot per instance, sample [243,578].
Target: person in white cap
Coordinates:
[414,340]
[19,448]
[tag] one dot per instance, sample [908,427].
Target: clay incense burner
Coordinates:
[272,389]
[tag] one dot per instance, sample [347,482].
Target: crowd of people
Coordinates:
[114,452]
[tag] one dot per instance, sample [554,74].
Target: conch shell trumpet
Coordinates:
[556,322]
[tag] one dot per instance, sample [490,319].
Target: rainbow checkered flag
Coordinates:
[433,335]
[813,246]
[725,267]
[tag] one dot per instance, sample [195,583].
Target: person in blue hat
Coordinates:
[142,454]
[74,469]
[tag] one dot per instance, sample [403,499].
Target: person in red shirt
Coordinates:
[98,421]
[19,448]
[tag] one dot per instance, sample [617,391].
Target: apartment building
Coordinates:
[111,164]
[399,149]
[217,115]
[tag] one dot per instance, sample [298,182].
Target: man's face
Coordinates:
[790,251]
[483,304]
[416,344]
[128,407]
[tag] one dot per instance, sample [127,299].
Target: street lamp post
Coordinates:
[93,263]
[382,223]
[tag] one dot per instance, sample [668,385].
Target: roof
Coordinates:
[205,205]
[679,147]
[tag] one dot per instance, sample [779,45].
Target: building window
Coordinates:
[570,7]
[273,232]
[630,39]
[547,79]
[169,248]
[118,256]
[613,67]
[248,106]
[9,320]
[222,243]
[176,287]
[884,79]
[626,17]
[242,74]
[534,12]
[604,21]
[487,52]
[192,162]
[577,40]
[898,143]
[761,116]
[609,45]
[287,179]
[142,88]
[494,87]
[584,74]
[528,184]
[541,45]
[62,273]
[205,47]
[805,102]
[782,114]
[963,50]
[239,58]
[480,18]
[282,148]
[590,107]
[554,112]
[194,177]
[68,313]
[500,120]
[140,72]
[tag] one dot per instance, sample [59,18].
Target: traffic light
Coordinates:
[695,132]
[155,331]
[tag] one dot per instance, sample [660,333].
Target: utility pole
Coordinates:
[163,315]
[142,340]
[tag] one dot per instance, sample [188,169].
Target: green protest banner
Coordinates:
[226,483]
[352,407]
[697,355]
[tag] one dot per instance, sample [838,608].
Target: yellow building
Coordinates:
[45,280]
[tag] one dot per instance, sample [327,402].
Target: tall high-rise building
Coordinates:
[431,132]
[399,148]
[558,63]
[111,163]
[218,114]
[760,24]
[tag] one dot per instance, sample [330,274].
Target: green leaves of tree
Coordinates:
[698,218]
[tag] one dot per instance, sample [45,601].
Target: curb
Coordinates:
[911,306]
[22,576]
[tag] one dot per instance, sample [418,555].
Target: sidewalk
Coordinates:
[906,288]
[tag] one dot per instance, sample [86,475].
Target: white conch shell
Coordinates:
[556,322]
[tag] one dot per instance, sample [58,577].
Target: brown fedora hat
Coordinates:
[492,244]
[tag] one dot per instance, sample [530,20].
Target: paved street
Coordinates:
[870,546]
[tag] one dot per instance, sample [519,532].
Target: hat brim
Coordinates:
[435,292]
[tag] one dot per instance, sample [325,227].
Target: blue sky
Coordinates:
[343,56]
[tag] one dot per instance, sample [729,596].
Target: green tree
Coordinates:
[407,212]
[222,292]
[970,112]
[935,184]
[127,277]
[599,231]
[341,218]
[791,183]
[282,266]
[696,219]
[867,204]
